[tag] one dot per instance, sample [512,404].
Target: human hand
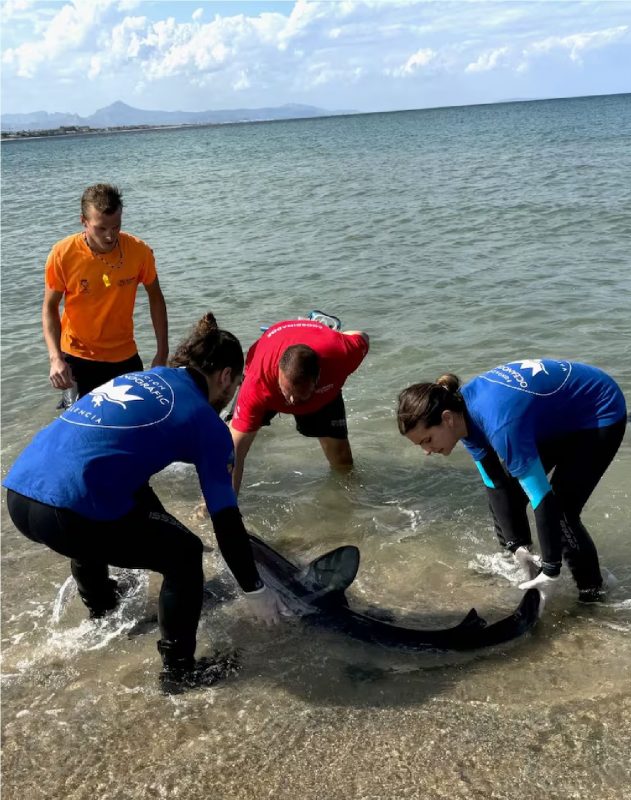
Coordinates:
[528,563]
[265,605]
[546,584]
[160,360]
[60,374]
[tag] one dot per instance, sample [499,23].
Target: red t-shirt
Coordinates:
[338,353]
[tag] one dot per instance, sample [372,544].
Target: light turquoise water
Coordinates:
[458,238]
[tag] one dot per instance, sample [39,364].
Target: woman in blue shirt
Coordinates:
[81,488]
[520,422]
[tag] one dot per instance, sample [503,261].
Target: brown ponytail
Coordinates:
[206,324]
[425,402]
[449,381]
[209,349]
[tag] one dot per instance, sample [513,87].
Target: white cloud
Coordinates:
[578,42]
[242,81]
[310,46]
[66,32]
[95,67]
[15,8]
[415,62]
[323,74]
[489,60]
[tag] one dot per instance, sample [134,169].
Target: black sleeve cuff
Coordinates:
[234,545]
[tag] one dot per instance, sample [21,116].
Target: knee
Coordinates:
[571,520]
[183,560]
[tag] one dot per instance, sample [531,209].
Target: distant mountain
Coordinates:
[120,114]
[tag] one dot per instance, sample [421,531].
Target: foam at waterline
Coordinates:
[93,634]
[621,627]
[497,564]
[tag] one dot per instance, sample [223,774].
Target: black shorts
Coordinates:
[90,374]
[328,422]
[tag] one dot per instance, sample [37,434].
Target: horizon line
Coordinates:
[341,112]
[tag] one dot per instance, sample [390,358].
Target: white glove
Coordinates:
[529,564]
[546,585]
[265,605]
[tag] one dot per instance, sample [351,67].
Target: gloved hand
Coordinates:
[546,585]
[265,605]
[528,563]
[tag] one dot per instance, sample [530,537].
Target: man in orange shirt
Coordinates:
[96,274]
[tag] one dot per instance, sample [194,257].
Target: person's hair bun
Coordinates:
[450,382]
[207,324]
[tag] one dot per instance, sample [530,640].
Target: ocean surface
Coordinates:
[458,238]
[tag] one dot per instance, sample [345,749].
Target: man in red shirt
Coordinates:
[298,367]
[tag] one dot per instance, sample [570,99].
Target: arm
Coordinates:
[364,335]
[548,516]
[234,545]
[242,443]
[60,374]
[158,311]
[507,500]
[232,537]
[506,503]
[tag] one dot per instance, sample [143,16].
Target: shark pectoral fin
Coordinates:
[473,621]
[334,571]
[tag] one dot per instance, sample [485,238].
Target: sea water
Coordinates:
[457,238]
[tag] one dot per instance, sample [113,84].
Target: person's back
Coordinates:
[339,354]
[121,434]
[298,367]
[517,405]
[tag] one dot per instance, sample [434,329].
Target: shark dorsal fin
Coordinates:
[334,571]
[473,621]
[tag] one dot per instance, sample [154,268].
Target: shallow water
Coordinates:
[457,238]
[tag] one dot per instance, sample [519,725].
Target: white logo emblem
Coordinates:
[114,394]
[534,365]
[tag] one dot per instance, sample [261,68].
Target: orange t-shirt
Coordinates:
[99,295]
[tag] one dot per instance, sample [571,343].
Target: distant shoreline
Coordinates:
[85,130]
[66,131]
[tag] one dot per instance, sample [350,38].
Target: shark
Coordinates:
[317,594]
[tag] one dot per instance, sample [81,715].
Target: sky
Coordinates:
[362,55]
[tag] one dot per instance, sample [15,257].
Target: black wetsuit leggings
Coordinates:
[577,461]
[146,538]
